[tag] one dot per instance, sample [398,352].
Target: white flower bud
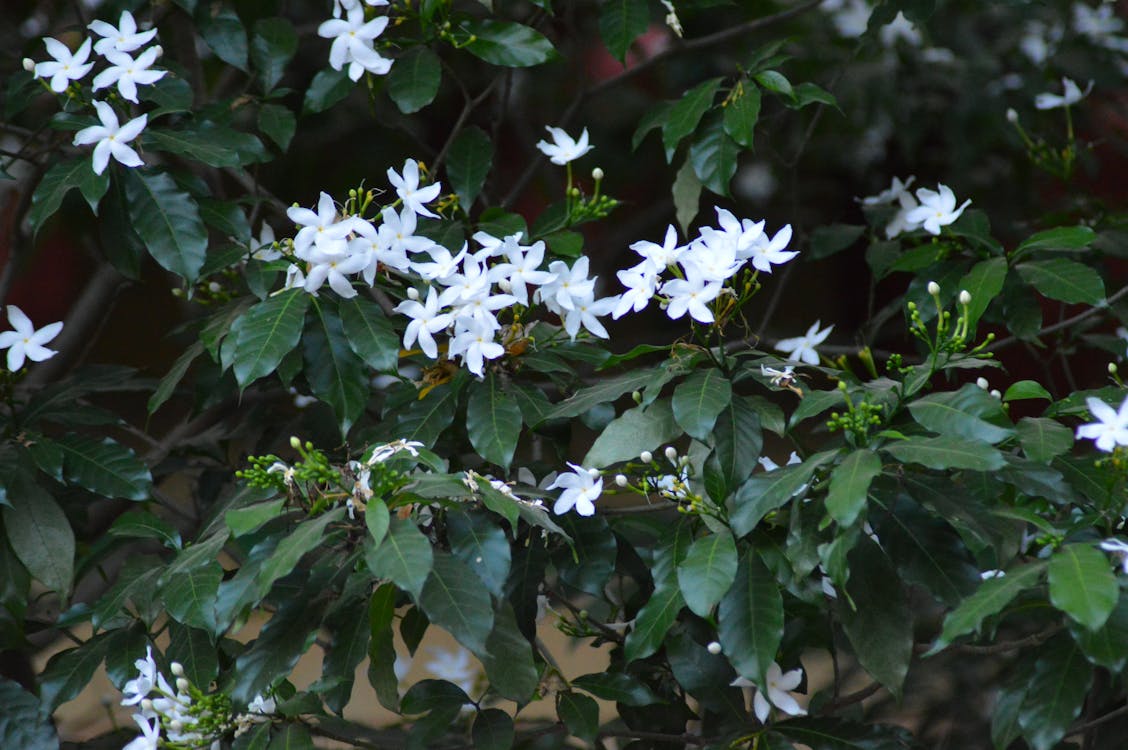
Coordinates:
[621,480]
[295,443]
[146,704]
[214,287]
[671,453]
[29,65]
[982,383]
[597,174]
[176,726]
[593,473]
[182,685]
[160,50]
[646,457]
[933,288]
[1112,368]
[1012,116]
[177,669]
[412,293]
[997,394]
[505,285]
[965,297]
[713,648]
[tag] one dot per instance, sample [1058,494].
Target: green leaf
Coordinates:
[707,571]
[480,543]
[839,734]
[244,520]
[879,624]
[750,619]
[765,492]
[686,192]
[983,282]
[190,597]
[328,88]
[849,485]
[1105,645]
[620,23]
[713,155]
[697,401]
[493,421]
[286,636]
[212,144]
[505,43]
[223,31]
[381,646]
[493,730]
[589,561]
[834,238]
[1043,439]
[606,390]
[143,525]
[68,672]
[414,80]
[1082,585]
[1058,238]
[742,111]
[1055,694]
[654,620]
[655,117]
[969,413]
[1026,389]
[40,535]
[292,737]
[809,93]
[617,687]
[290,550]
[168,221]
[104,467]
[194,650]
[273,45]
[56,183]
[947,453]
[377,519]
[989,599]
[266,333]
[468,164]
[579,713]
[776,82]
[426,418]
[371,335]
[336,375]
[170,94]
[24,722]
[456,600]
[508,658]
[685,115]
[737,441]
[638,429]
[404,557]
[277,123]
[1064,280]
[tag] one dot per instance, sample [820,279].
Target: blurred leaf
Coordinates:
[144,525]
[505,43]
[946,453]
[685,115]
[214,145]
[404,557]
[810,93]
[714,156]
[292,737]
[468,164]
[686,192]
[168,220]
[742,111]
[508,659]
[1063,280]
[750,619]
[171,94]
[876,617]
[456,600]
[414,80]
[381,646]
[1105,645]
[272,46]
[24,722]
[277,123]
[40,535]
[969,413]
[328,87]
[699,400]
[776,82]
[707,572]
[620,23]
[493,421]
[286,636]
[849,485]
[493,730]
[579,713]
[1082,585]
[1055,694]
[336,375]
[638,429]
[617,687]
[266,333]
[59,180]
[104,467]
[377,519]
[989,599]
[1043,439]
[68,672]
[819,733]
[425,419]
[480,543]
[834,238]
[589,560]
[223,31]
[604,391]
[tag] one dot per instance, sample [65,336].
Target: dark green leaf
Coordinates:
[40,535]
[505,43]
[617,687]
[190,597]
[707,572]
[246,519]
[223,31]
[686,192]
[833,238]
[849,485]
[371,335]
[1105,646]
[328,88]
[56,183]
[579,713]
[168,220]
[685,115]
[839,734]
[105,467]
[425,419]
[143,525]
[809,93]
[969,413]
[1055,694]
[404,557]
[605,391]
[876,618]
[377,519]
[1043,439]
[776,82]
[211,144]
[588,563]
[508,659]
[1082,585]
[194,650]
[765,492]
[1058,238]
[336,375]
[737,440]
[266,333]
[1026,389]
[990,598]
[620,23]
[277,123]
[282,641]
[493,730]
[983,282]
[638,429]
[713,155]
[742,111]
[468,164]
[290,550]
[292,737]
[273,45]
[170,94]
[1063,280]
[946,453]
[654,620]
[699,400]
[24,722]
[480,543]
[68,672]
[493,421]
[414,80]
[750,619]
[381,648]
[455,599]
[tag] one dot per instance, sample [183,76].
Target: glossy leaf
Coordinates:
[1055,694]
[969,413]
[278,124]
[286,636]
[193,648]
[105,467]
[493,421]
[742,112]
[68,672]
[414,80]
[737,441]
[605,391]
[1043,439]
[699,400]
[1105,645]
[707,571]
[750,619]
[211,144]
[983,282]
[266,333]
[1082,585]
[468,164]
[492,730]
[946,453]
[1026,389]
[224,33]
[686,192]
[617,687]
[272,46]
[653,622]
[477,540]
[24,722]
[1058,238]
[456,600]
[190,596]
[40,535]
[404,557]
[327,88]
[620,23]
[168,220]
[306,537]
[508,659]
[685,115]
[371,335]
[506,43]
[765,492]
[849,485]
[143,525]
[246,519]
[1063,280]
[714,155]
[989,599]
[579,713]
[427,417]
[59,180]
[336,375]
[638,429]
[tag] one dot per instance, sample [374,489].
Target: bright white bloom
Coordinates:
[111,138]
[936,209]
[66,67]
[122,38]
[353,43]
[397,235]
[850,17]
[1109,431]
[770,465]
[581,490]
[475,344]
[784,378]
[407,188]
[567,285]
[1039,41]
[987,575]
[25,342]
[586,313]
[802,348]
[444,265]
[128,72]
[890,194]
[147,678]
[779,686]
[382,453]
[1119,549]
[766,253]
[425,320]
[524,265]
[563,148]
[335,269]
[691,294]
[264,249]
[150,734]
[452,666]
[659,257]
[262,705]
[1071,94]
[1100,25]
[641,283]
[900,221]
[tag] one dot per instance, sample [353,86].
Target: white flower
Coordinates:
[475,344]
[659,257]
[353,43]
[321,228]
[770,465]
[524,265]
[802,348]
[25,341]
[425,320]
[641,283]
[1119,549]
[407,188]
[692,294]
[889,194]
[150,734]
[128,72]
[66,67]
[567,285]
[452,666]
[1110,429]
[765,253]
[382,453]
[334,268]
[779,685]
[900,221]
[1071,94]
[581,490]
[262,705]
[111,138]
[122,38]
[936,209]
[563,148]
[586,312]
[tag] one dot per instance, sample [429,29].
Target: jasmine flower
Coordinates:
[25,342]
[802,348]
[66,67]
[936,209]
[563,148]
[582,487]
[1110,429]
[1071,94]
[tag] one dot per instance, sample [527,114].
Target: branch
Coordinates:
[997,648]
[1067,322]
[684,738]
[851,698]
[1116,714]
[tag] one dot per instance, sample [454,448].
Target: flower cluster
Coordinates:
[184,715]
[353,38]
[25,342]
[930,209]
[125,71]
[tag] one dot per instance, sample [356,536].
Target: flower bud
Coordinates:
[997,394]
[177,669]
[146,704]
[933,288]
[1012,116]
[1112,368]
[713,648]
[412,293]
[182,685]
[593,473]
[965,297]
[214,287]
[636,396]
[159,49]
[176,726]
[29,65]
[981,382]
[646,457]
[597,174]
[621,480]
[671,453]
[505,285]
[295,443]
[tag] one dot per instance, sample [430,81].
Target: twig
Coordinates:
[685,739]
[997,648]
[851,698]
[1116,714]
[1065,323]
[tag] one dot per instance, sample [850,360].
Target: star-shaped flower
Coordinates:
[1071,94]
[802,348]
[1111,427]
[581,489]
[127,72]
[936,209]
[121,38]
[66,67]
[25,342]
[563,148]
[407,188]
[111,138]
[779,685]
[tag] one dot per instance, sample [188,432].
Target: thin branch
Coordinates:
[997,648]
[1068,322]
[635,734]
[1116,714]
[851,698]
